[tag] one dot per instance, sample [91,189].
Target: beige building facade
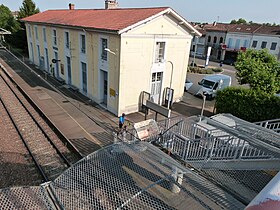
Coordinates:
[113,66]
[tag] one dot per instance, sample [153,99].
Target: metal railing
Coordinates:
[270,124]
[241,157]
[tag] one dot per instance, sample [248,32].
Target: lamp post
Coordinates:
[169,95]
[202,108]
[110,51]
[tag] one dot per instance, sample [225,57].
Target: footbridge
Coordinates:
[240,156]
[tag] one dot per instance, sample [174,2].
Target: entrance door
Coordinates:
[105,88]
[56,74]
[84,77]
[47,60]
[32,53]
[69,74]
[156,86]
[39,56]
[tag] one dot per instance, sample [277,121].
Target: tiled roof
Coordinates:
[218,27]
[271,30]
[108,19]
[244,28]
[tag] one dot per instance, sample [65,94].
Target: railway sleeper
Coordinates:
[55,170]
[54,165]
[49,157]
[42,151]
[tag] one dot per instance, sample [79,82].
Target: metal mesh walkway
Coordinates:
[123,176]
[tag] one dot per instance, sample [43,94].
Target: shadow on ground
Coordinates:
[189,110]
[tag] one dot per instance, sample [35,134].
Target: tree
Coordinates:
[259,69]
[19,39]
[7,20]
[28,8]
[239,21]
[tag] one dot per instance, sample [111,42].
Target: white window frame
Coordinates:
[275,45]
[36,32]
[104,53]
[54,35]
[254,41]
[83,48]
[160,56]
[264,44]
[67,41]
[29,30]
[44,34]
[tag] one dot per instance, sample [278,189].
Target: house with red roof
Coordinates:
[267,37]
[113,55]
[252,36]
[226,40]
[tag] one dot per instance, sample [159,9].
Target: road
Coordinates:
[201,62]
[191,105]
[227,70]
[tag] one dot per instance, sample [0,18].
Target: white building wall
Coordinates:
[232,40]
[137,62]
[269,39]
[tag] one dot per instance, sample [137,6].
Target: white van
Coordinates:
[212,83]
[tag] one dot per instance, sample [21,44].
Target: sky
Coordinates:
[260,11]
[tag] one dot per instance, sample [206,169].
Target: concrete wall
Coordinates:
[138,60]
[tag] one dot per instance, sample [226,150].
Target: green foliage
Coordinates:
[7,21]
[28,8]
[259,69]
[200,70]
[239,21]
[248,104]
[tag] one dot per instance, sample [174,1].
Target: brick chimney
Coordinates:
[111,4]
[71,6]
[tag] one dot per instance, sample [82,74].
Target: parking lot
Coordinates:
[192,105]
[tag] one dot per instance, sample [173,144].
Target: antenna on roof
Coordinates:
[218,18]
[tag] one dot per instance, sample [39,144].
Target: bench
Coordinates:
[74,88]
[62,81]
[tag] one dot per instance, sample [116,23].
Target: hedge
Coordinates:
[200,70]
[248,104]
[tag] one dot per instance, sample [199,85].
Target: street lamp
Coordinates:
[169,95]
[203,106]
[110,51]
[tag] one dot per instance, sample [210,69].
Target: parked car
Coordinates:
[212,83]
[188,84]
[229,62]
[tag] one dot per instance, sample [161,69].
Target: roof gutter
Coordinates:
[182,21]
[74,27]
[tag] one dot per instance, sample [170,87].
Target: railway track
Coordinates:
[50,154]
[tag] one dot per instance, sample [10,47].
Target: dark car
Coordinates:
[229,62]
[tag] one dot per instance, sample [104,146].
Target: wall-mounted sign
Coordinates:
[112,92]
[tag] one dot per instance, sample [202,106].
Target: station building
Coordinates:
[112,55]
